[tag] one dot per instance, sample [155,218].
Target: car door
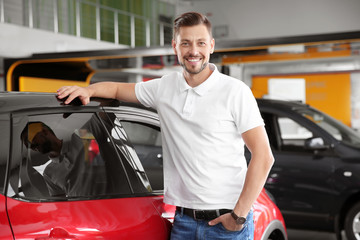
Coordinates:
[301,179]
[90,189]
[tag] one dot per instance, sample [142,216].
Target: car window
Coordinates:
[285,134]
[292,133]
[335,128]
[132,164]
[146,140]
[69,156]
[4,148]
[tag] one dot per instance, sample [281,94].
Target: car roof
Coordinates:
[280,104]
[17,101]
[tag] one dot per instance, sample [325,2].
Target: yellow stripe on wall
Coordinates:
[32,84]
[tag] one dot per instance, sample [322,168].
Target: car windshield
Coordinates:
[334,127]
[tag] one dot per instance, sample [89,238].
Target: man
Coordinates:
[68,159]
[205,118]
[39,137]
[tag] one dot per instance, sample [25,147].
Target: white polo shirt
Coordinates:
[201,127]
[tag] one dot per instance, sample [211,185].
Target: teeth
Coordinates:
[193,60]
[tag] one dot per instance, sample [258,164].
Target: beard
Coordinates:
[193,70]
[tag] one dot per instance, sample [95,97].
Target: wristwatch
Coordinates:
[239,220]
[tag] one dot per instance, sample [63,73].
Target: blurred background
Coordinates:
[297,50]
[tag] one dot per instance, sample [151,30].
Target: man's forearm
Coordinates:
[259,167]
[254,183]
[115,90]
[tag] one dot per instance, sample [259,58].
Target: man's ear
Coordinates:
[212,45]
[173,44]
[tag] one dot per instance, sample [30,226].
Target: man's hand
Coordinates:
[121,91]
[72,92]
[227,221]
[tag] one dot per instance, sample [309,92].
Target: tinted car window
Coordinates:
[146,140]
[140,181]
[286,134]
[338,130]
[292,133]
[69,157]
[4,147]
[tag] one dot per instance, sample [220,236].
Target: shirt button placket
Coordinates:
[189,103]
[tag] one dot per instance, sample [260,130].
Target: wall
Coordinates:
[245,19]
[328,92]
[253,19]
[17,41]
[355,100]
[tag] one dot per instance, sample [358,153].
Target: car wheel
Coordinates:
[276,235]
[352,223]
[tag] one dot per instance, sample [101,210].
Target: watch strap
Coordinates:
[239,220]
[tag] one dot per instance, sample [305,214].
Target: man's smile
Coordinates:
[193,60]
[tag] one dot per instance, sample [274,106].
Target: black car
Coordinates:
[315,180]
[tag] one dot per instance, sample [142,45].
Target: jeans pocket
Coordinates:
[221,226]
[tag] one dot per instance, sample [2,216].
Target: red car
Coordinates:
[89,172]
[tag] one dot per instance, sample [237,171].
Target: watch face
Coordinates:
[241,220]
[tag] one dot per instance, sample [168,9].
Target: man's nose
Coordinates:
[194,50]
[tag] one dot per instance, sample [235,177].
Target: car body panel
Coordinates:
[267,218]
[5,230]
[288,184]
[121,218]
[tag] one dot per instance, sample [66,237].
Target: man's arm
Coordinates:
[121,91]
[260,164]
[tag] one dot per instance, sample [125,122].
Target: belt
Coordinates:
[203,214]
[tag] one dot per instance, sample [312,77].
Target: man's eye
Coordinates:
[184,44]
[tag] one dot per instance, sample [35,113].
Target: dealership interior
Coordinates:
[304,51]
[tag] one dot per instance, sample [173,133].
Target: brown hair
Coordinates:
[190,19]
[25,132]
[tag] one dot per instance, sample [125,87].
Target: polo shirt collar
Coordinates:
[205,86]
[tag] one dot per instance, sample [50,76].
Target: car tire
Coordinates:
[352,223]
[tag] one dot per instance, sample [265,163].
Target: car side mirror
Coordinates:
[316,143]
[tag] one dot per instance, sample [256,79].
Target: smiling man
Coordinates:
[192,46]
[206,117]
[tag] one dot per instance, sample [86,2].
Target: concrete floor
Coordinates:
[294,234]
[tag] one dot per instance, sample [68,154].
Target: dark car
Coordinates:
[316,176]
[89,172]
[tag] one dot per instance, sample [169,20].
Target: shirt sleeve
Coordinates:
[246,111]
[147,92]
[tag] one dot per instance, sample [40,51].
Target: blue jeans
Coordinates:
[187,228]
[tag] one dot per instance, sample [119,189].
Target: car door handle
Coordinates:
[57,233]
